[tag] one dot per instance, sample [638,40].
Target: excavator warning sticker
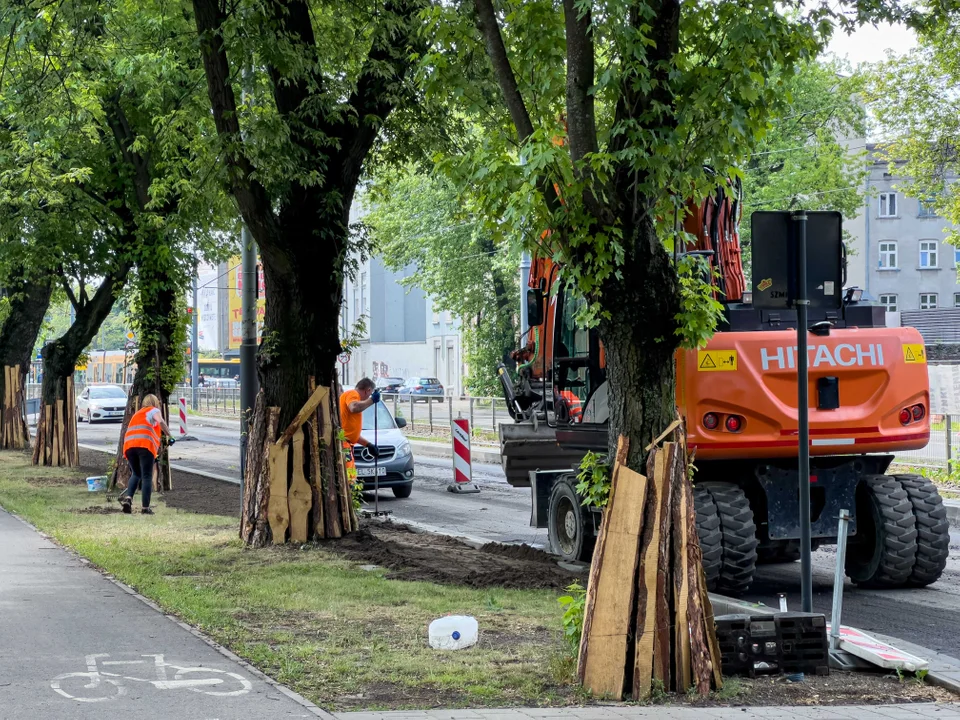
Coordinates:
[765,284]
[716,360]
[914,354]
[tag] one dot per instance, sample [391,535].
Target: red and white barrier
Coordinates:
[182,402]
[462,470]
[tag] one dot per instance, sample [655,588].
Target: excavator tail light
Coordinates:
[711,421]
[734,423]
[905,416]
[918,412]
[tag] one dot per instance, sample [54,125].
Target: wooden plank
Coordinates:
[278,514]
[623,446]
[605,661]
[333,465]
[647,580]
[316,480]
[661,638]
[312,402]
[261,535]
[62,433]
[681,581]
[299,500]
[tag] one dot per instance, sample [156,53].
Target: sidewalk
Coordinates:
[919,711]
[60,619]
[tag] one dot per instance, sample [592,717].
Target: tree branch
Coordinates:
[68,290]
[581,118]
[251,196]
[489,28]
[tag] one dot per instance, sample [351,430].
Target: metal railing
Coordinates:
[941,453]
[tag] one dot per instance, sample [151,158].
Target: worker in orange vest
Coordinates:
[352,404]
[140,447]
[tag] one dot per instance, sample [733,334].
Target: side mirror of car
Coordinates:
[401,422]
[534,307]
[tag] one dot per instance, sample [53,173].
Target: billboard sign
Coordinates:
[234,309]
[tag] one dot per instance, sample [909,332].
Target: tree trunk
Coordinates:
[159,361]
[28,306]
[640,341]
[59,361]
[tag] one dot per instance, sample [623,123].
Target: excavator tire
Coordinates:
[569,525]
[883,552]
[708,531]
[739,537]
[933,529]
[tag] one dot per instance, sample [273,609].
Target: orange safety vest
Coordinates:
[141,434]
[574,406]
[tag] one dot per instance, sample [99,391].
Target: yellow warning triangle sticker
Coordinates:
[707,363]
[908,355]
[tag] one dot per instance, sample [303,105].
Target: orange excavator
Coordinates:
[869,398]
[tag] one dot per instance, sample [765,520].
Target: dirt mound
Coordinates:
[518,552]
[410,555]
[56,482]
[98,510]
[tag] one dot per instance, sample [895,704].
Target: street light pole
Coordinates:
[248,342]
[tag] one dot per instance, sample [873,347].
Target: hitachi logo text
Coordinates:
[843,355]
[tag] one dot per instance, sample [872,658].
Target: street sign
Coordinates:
[879,653]
[130,335]
[129,345]
[344,358]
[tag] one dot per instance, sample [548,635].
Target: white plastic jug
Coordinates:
[453,632]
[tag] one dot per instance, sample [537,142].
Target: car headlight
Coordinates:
[403,449]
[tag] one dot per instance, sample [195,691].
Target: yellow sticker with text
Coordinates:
[716,360]
[914,354]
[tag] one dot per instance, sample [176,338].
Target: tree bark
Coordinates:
[60,358]
[30,298]
[640,340]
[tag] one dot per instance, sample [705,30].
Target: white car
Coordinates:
[101,402]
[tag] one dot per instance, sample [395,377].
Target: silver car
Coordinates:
[101,402]
[395,464]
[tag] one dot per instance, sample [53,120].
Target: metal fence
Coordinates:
[942,451]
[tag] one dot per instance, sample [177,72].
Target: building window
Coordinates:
[956,300]
[927,210]
[956,256]
[888,255]
[928,253]
[928,301]
[888,205]
[436,318]
[437,360]
[889,302]
[356,304]
[363,292]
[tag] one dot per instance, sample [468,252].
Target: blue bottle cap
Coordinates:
[456,634]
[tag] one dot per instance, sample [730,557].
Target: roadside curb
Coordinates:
[943,671]
[283,689]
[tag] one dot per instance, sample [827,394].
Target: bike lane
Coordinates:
[75,645]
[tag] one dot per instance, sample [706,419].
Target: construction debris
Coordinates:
[647,620]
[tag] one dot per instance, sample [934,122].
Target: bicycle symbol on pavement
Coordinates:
[97,685]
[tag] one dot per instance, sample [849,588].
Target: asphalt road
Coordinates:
[501,513]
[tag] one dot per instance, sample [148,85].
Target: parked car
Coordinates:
[101,402]
[422,388]
[389,385]
[395,464]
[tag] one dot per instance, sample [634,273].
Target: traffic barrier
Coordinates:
[182,402]
[462,470]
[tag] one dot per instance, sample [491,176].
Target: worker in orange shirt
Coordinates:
[141,444]
[352,404]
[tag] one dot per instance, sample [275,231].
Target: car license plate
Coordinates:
[368,471]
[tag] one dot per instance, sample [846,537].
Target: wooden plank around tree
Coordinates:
[681,581]
[299,499]
[261,532]
[316,480]
[646,622]
[278,513]
[661,638]
[590,601]
[312,402]
[605,671]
